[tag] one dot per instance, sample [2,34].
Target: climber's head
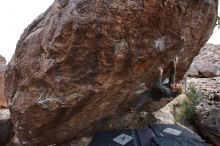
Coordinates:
[177,88]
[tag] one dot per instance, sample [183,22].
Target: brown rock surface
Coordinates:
[6,127]
[166,114]
[209,86]
[207,111]
[15,142]
[76,67]
[207,119]
[207,63]
[79,142]
[3,102]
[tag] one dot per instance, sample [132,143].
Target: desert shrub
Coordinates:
[218,21]
[195,96]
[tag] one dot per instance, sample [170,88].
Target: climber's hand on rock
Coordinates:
[160,69]
[175,61]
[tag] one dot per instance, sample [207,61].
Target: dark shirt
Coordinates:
[160,90]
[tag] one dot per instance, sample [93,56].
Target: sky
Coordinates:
[16,15]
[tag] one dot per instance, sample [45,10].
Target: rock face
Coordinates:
[76,67]
[204,75]
[3,102]
[208,117]
[209,86]
[6,127]
[14,142]
[166,114]
[207,63]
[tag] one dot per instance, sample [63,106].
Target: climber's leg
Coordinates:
[141,100]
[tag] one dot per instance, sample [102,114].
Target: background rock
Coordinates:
[204,75]
[6,127]
[2,60]
[77,66]
[207,112]
[209,86]
[207,119]
[207,63]
[3,102]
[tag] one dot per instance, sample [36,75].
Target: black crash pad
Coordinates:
[128,137]
[175,135]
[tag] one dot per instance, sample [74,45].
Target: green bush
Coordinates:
[195,96]
[218,21]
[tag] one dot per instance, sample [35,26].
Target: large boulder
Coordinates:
[207,63]
[207,119]
[3,102]
[77,66]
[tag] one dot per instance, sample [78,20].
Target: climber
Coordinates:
[160,89]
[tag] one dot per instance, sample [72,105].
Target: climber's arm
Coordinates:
[172,77]
[158,86]
[159,90]
[159,77]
